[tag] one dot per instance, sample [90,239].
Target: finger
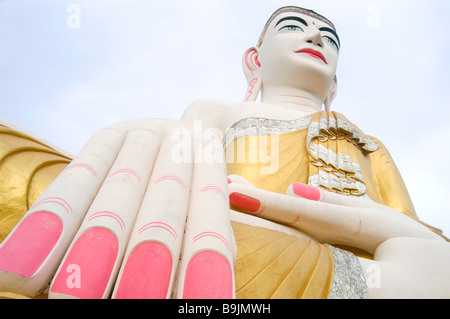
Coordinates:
[238,179]
[90,266]
[207,267]
[364,227]
[323,221]
[31,254]
[317,194]
[149,267]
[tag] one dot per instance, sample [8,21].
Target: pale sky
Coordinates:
[70,68]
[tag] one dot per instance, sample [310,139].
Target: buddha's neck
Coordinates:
[291,98]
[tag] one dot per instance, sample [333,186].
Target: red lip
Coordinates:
[313,53]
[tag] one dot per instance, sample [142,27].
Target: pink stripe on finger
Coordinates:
[54,200]
[127,171]
[84,165]
[296,219]
[213,187]
[112,215]
[159,225]
[212,234]
[171,178]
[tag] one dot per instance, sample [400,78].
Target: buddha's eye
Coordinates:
[291,28]
[331,41]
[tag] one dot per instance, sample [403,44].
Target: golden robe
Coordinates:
[324,150]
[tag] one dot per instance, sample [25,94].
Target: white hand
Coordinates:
[328,217]
[120,209]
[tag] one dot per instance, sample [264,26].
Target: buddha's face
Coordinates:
[299,50]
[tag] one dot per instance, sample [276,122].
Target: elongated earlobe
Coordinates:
[252,70]
[331,94]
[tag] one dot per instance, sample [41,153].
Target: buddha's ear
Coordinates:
[331,94]
[252,70]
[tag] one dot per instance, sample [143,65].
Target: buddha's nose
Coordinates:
[314,37]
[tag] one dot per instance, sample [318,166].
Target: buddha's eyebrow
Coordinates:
[332,32]
[292,18]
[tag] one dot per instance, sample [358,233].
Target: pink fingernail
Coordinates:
[246,202]
[30,244]
[306,191]
[147,273]
[87,269]
[208,276]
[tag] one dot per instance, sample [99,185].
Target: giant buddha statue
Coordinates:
[272,198]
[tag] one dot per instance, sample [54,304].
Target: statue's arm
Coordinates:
[330,217]
[404,250]
[408,268]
